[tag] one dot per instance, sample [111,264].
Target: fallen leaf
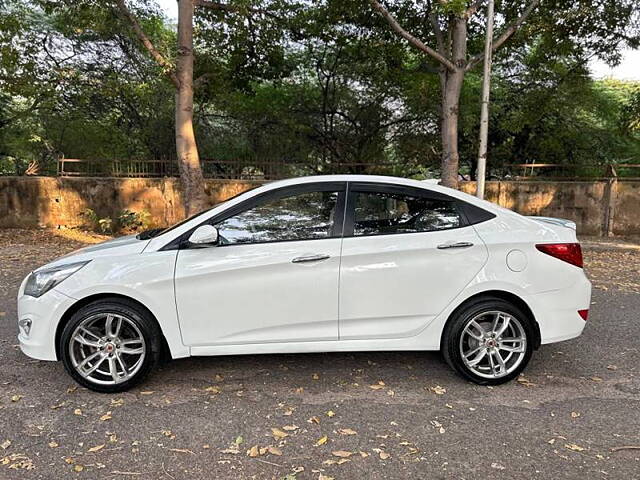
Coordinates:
[253,451]
[324,477]
[274,451]
[384,455]
[498,466]
[574,447]
[377,386]
[331,413]
[278,434]
[77,411]
[290,428]
[97,448]
[78,468]
[438,390]
[342,454]
[552,441]
[314,420]
[105,417]
[315,376]
[16,398]
[117,402]
[213,389]
[322,441]
[4,445]
[363,454]
[612,367]
[347,431]
[575,414]
[147,392]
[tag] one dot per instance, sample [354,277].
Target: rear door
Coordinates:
[406,254]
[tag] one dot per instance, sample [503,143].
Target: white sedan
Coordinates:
[315,264]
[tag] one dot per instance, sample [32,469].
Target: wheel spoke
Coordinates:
[517,345]
[131,351]
[113,369]
[89,332]
[478,358]
[95,366]
[80,339]
[499,329]
[125,373]
[88,359]
[478,327]
[502,368]
[112,325]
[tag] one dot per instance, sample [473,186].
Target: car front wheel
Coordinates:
[489,341]
[110,345]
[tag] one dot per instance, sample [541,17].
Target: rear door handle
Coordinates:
[443,246]
[310,258]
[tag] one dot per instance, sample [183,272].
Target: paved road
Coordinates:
[578,401]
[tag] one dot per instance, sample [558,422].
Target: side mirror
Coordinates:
[204,235]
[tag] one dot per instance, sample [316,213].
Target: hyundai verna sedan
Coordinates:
[316,264]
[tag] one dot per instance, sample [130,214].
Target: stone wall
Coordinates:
[60,201]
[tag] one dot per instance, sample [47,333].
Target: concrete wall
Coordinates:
[59,201]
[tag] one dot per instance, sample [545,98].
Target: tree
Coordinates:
[181,74]
[450,27]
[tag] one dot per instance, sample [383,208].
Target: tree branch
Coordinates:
[410,38]
[168,67]
[506,34]
[473,8]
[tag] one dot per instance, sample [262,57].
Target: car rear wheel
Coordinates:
[110,345]
[489,341]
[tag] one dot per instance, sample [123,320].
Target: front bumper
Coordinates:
[44,314]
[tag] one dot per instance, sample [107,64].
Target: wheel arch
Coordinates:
[502,295]
[166,351]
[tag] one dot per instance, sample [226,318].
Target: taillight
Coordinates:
[567,252]
[584,314]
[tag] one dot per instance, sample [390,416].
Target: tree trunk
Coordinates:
[451,86]
[187,151]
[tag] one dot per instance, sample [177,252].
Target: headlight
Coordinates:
[41,281]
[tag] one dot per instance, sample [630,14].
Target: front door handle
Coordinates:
[310,258]
[455,245]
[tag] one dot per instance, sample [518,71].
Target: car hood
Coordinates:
[118,246]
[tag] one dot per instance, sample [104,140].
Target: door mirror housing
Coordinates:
[204,235]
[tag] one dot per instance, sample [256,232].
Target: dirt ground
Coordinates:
[574,414]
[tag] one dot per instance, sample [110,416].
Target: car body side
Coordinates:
[144,270]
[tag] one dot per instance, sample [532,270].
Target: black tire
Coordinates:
[451,338]
[140,317]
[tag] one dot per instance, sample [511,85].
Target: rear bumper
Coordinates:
[44,314]
[557,311]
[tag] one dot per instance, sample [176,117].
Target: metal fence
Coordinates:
[243,169]
[224,169]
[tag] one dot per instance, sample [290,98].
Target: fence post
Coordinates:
[610,190]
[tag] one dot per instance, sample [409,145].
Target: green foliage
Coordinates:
[324,86]
[126,221]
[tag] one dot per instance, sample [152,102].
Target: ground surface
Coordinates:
[578,403]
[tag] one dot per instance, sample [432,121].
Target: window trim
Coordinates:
[365,187]
[181,243]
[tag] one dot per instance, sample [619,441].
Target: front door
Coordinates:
[272,278]
[406,254]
